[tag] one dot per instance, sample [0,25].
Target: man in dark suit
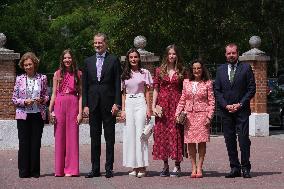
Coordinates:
[101,99]
[234,88]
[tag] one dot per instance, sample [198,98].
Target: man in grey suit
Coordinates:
[101,99]
[234,88]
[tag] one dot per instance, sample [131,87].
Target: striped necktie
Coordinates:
[232,72]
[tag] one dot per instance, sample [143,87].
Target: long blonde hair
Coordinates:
[178,63]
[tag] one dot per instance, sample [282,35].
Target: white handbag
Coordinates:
[147,131]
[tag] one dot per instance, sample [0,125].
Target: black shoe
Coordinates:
[24,176]
[36,175]
[109,174]
[246,173]
[165,172]
[234,173]
[93,174]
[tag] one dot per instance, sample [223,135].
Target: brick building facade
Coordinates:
[7,80]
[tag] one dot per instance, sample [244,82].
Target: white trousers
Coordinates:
[135,151]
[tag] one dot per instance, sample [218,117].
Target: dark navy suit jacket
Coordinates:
[241,90]
[107,91]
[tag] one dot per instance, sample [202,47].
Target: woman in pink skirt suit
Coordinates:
[66,112]
[198,101]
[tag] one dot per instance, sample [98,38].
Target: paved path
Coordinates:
[267,157]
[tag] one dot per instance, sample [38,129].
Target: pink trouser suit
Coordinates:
[66,129]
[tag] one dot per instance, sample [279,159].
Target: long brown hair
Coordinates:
[126,74]
[178,63]
[74,68]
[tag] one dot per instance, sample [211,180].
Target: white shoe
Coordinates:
[133,174]
[141,174]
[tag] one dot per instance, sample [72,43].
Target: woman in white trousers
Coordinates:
[136,85]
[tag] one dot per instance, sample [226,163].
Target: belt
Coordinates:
[135,95]
[132,96]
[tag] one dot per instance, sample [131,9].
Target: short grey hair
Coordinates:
[102,35]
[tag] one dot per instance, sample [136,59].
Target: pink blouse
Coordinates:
[136,84]
[67,85]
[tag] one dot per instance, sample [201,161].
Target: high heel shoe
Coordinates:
[193,175]
[59,175]
[199,175]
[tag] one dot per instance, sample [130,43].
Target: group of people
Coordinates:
[102,89]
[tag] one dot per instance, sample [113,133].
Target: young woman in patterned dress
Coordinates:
[168,135]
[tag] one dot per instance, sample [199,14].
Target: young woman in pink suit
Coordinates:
[136,85]
[30,97]
[66,112]
[168,135]
[198,101]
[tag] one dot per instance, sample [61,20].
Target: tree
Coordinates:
[200,28]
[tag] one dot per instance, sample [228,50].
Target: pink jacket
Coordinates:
[202,101]
[19,95]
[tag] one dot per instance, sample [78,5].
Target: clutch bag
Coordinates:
[159,110]
[182,118]
[147,131]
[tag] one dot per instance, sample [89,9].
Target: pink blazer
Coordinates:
[202,101]
[19,95]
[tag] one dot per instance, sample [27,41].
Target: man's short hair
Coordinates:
[231,45]
[102,35]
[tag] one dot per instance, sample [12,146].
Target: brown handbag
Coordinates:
[182,118]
